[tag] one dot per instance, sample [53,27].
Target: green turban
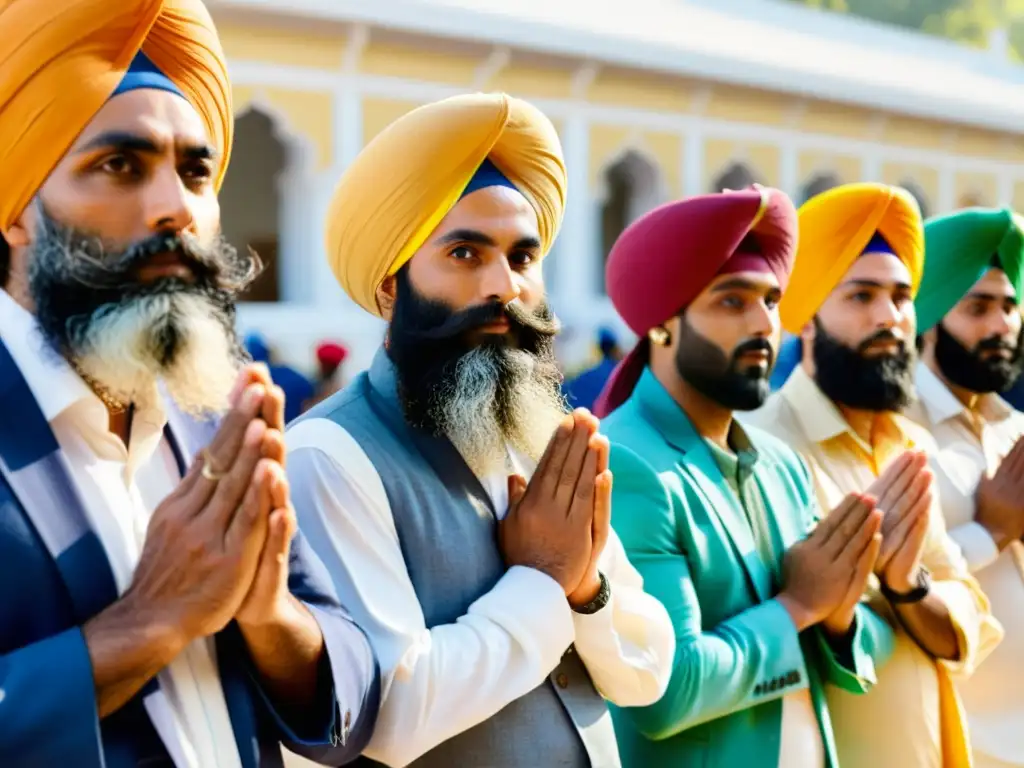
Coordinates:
[958,249]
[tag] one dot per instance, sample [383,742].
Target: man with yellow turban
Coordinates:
[463,514]
[850,300]
[969,316]
[158,608]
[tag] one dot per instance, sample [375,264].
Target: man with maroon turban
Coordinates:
[716,516]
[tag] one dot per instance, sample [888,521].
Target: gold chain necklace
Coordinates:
[113,405]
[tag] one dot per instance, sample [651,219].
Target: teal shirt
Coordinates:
[737,651]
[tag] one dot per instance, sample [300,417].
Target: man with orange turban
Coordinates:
[503,609]
[851,301]
[158,607]
[713,515]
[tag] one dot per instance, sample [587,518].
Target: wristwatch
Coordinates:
[604,594]
[916,595]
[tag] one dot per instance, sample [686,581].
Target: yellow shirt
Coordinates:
[972,442]
[912,718]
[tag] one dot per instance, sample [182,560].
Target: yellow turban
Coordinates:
[62,59]
[411,175]
[835,229]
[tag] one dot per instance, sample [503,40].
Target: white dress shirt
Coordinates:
[120,488]
[973,443]
[442,681]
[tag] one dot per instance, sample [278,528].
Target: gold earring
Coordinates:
[659,336]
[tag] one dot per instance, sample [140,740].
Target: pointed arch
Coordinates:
[630,186]
[818,183]
[737,175]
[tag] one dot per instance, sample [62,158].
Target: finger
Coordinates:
[232,487]
[248,525]
[253,373]
[602,511]
[851,523]
[898,478]
[223,450]
[865,566]
[572,467]
[273,446]
[604,449]
[860,539]
[516,490]
[273,408]
[920,483]
[1016,459]
[582,507]
[550,463]
[827,526]
[901,532]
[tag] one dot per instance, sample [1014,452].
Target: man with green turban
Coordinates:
[969,317]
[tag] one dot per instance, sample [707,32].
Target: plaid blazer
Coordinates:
[54,576]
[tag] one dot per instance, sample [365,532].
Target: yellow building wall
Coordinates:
[275,46]
[527,80]
[665,150]
[811,163]
[747,105]
[632,90]
[829,119]
[923,176]
[309,114]
[975,189]
[919,134]
[763,160]
[387,59]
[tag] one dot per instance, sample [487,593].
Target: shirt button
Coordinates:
[562,680]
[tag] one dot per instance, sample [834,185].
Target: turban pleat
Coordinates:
[835,229]
[666,258]
[407,179]
[61,61]
[959,249]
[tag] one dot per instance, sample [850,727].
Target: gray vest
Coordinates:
[448,533]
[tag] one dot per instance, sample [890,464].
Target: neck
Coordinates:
[861,422]
[965,396]
[711,420]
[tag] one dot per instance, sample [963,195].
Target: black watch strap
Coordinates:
[604,594]
[916,595]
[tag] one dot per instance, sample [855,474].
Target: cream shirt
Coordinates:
[899,723]
[971,444]
[120,488]
[442,681]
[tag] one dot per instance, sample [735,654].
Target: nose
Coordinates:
[762,320]
[1003,325]
[499,282]
[887,314]
[167,202]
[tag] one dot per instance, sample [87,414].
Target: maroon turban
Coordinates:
[665,259]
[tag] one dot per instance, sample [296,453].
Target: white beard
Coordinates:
[122,354]
[468,416]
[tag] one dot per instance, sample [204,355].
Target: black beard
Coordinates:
[75,280]
[968,369]
[846,376]
[705,367]
[427,339]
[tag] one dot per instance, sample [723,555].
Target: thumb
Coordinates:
[516,489]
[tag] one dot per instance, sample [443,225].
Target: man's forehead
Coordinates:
[877,267]
[491,207]
[152,114]
[748,281]
[994,283]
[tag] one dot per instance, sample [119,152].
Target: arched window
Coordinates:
[918,194]
[821,182]
[631,188]
[736,176]
[249,199]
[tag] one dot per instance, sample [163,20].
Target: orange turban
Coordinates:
[413,173]
[835,229]
[62,59]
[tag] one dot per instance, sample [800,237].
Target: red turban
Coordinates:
[665,259]
[330,353]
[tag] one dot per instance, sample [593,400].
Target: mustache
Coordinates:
[883,335]
[995,344]
[541,323]
[754,345]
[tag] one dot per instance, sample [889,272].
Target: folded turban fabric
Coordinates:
[959,248]
[412,174]
[836,228]
[61,60]
[666,258]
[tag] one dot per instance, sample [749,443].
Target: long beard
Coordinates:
[126,337]
[722,378]
[968,369]
[849,377]
[483,396]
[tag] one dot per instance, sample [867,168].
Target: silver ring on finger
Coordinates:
[208,471]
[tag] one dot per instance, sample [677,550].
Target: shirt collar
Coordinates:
[942,405]
[818,416]
[53,382]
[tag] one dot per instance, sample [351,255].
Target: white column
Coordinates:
[789,170]
[693,161]
[1004,194]
[578,260]
[947,189]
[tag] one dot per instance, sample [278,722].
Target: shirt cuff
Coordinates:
[978,547]
[540,608]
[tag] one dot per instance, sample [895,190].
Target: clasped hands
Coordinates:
[217,547]
[882,531]
[558,522]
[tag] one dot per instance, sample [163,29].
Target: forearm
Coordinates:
[930,624]
[128,645]
[287,651]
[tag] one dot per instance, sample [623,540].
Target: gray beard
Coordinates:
[467,408]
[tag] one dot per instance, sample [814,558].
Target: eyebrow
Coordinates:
[981,296]
[738,283]
[862,283]
[131,142]
[480,238]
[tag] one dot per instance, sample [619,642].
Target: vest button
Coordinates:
[562,680]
